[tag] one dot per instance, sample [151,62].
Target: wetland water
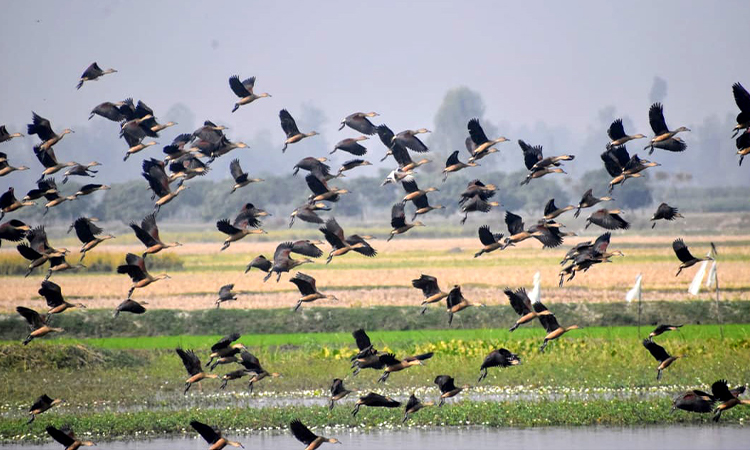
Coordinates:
[578,438]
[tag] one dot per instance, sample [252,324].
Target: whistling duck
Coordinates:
[376,401]
[307,437]
[490,241]
[282,261]
[252,364]
[241,178]
[130,306]
[67,438]
[244,90]
[135,267]
[665,212]
[194,368]
[684,255]
[659,127]
[42,404]
[359,122]
[395,365]
[306,213]
[588,200]
[244,224]
[422,203]
[549,322]
[430,289]
[617,136]
[456,302]
[352,164]
[479,144]
[259,262]
[87,232]
[6,136]
[321,191]
[9,202]
[148,234]
[13,231]
[447,388]
[727,398]
[212,436]
[226,294]
[742,98]
[55,300]
[498,358]
[306,286]
[661,355]
[398,221]
[522,305]
[412,190]
[38,324]
[409,139]
[338,391]
[516,229]
[6,168]
[452,164]
[367,357]
[413,405]
[661,329]
[289,126]
[93,72]
[224,347]
[81,171]
[608,219]
[158,181]
[352,145]
[537,164]
[341,244]
[43,129]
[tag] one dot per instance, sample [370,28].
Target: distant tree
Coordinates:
[459,106]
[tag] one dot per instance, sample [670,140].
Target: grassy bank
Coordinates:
[82,324]
[241,421]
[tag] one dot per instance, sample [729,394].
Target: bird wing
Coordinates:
[43,400]
[415,144]
[452,159]
[305,283]
[306,248]
[656,119]
[485,235]
[60,436]
[389,359]
[246,218]
[225,227]
[398,217]
[616,130]
[131,306]
[409,184]
[366,249]
[672,145]
[301,432]
[337,386]
[332,236]
[445,383]
[28,252]
[250,362]
[550,237]
[519,300]
[207,433]
[656,350]
[611,163]
[421,202]
[385,134]
[741,97]
[46,157]
[420,357]
[721,390]
[148,224]
[412,402]
[601,243]
[316,185]
[282,251]
[236,170]
[681,250]
[550,207]
[363,341]
[454,297]
[428,284]
[32,317]
[51,293]
[621,153]
[226,291]
[531,155]
[476,133]
[225,341]
[190,361]
[609,221]
[514,223]
[86,230]
[41,127]
[288,124]
[239,88]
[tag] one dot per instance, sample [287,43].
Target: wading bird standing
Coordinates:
[307,437]
[93,72]
[38,324]
[42,404]
[661,355]
[244,90]
[498,358]
[684,255]
[289,126]
[212,436]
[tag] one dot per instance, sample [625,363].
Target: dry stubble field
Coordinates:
[385,280]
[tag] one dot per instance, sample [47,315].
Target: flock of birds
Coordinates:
[183,160]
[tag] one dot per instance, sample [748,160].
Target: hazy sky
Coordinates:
[552,62]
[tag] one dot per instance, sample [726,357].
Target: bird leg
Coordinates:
[406,417]
[678,272]
[658,374]
[383,377]
[544,345]
[31,419]
[330,406]
[250,386]
[442,401]
[355,410]
[450,318]
[187,387]
[278,276]
[223,384]
[130,292]
[466,216]
[299,303]
[268,276]
[482,374]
